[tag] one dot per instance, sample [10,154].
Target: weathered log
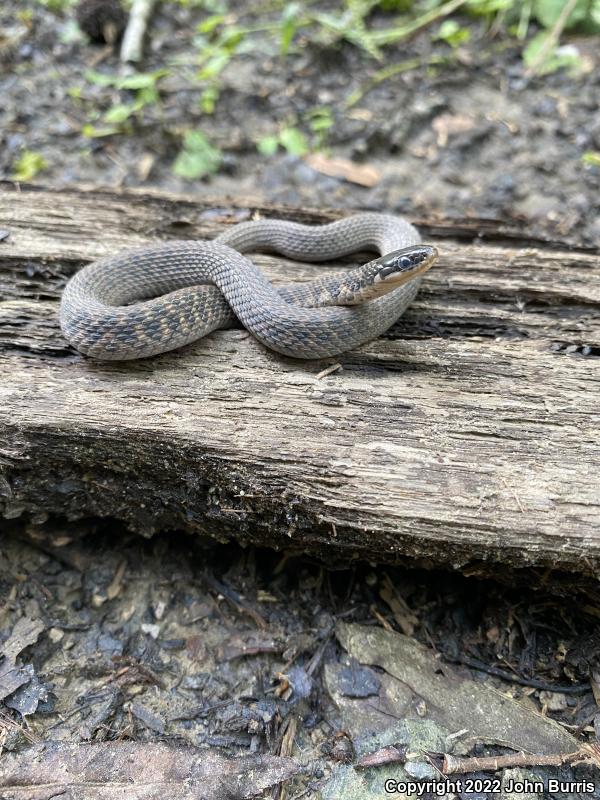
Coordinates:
[469,432]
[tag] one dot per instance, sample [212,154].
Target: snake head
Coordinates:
[400,266]
[384,274]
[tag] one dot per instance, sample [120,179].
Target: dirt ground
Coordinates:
[474,135]
[187,642]
[192,642]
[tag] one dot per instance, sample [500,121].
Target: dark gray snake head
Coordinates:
[402,265]
[386,273]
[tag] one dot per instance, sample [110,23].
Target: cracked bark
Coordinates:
[467,433]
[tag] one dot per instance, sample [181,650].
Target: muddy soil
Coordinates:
[470,135]
[178,640]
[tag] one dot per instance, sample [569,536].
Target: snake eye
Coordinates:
[405,262]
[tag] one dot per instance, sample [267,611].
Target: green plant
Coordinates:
[291,139]
[25,16]
[452,33]
[57,6]
[144,86]
[27,166]
[394,5]
[208,99]
[218,41]
[349,25]
[291,19]
[197,157]
[591,158]
[582,13]
[320,121]
[542,56]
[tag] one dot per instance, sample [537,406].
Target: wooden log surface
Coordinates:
[469,432]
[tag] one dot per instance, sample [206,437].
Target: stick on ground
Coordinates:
[132,45]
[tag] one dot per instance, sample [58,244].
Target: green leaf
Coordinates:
[592,158]
[556,58]
[91,132]
[197,158]
[534,48]
[320,119]
[99,78]
[488,8]
[208,99]
[268,145]
[141,80]
[394,5]
[27,166]
[547,12]
[209,24]
[57,6]
[289,25]
[147,96]
[452,33]
[119,113]
[214,66]
[294,141]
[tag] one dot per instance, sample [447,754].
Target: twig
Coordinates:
[286,748]
[131,47]
[390,36]
[552,38]
[328,371]
[7,723]
[587,752]
[544,686]
[235,600]
[388,72]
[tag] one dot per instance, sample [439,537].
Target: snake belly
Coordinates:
[151,300]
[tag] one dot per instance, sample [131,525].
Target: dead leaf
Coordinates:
[24,634]
[144,166]
[139,771]
[392,754]
[447,125]
[361,174]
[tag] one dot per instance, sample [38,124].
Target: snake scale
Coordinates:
[147,301]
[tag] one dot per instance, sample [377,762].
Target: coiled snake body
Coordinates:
[148,301]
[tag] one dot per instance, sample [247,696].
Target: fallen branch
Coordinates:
[589,753]
[131,47]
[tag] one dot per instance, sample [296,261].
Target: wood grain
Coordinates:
[469,432]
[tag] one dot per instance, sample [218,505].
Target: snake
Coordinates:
[150,300]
